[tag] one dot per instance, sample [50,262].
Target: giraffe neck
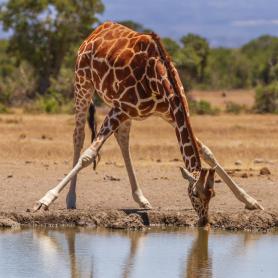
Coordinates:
[175,95]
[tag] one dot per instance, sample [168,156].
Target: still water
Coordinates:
[105,253]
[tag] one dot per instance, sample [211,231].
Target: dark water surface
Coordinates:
[104,253]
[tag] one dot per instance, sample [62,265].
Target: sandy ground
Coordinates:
[220,99]
[36,152]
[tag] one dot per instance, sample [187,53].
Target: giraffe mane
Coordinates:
[172,79]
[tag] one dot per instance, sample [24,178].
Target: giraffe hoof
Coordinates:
[254,206]
[39,206]
[146,205]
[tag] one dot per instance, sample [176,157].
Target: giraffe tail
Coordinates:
[93,127]
[91,121]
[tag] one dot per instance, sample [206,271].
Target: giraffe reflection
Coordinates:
[87,260]
[49,244]
[199,262]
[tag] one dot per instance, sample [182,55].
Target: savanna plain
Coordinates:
[36,152]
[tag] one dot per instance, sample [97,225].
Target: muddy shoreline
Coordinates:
[141,219]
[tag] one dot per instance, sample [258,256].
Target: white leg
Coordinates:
[78,141]
[110,124]
[241,195]
[122,136]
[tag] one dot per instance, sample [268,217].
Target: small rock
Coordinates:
[238,162]
[111,178]
[44,137]
[28,210]
[158,160]
[217,181]
[265,171]
[28,162]
[244,175]
[9,176]
[175,159]
[258,160]
[22,136]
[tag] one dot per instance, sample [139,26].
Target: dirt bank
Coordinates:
[140,219]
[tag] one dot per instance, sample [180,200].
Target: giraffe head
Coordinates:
[200,191]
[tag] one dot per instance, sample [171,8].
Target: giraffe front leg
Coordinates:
[122,136]
[241,195]
[110,124]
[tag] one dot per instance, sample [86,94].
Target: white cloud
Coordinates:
[254,23]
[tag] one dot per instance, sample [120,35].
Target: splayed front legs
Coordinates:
[241,195]
[110,124]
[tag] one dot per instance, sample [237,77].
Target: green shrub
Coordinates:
[51,103]
[202,107]
[267,98]
[234,108]
[3,108]
[17,87]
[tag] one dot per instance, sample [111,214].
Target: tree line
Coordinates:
[37,60]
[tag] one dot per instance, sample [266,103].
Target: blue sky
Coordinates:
[223,22]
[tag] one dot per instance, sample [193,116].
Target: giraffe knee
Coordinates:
[87,157]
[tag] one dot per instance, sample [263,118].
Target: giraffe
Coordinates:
[133,74]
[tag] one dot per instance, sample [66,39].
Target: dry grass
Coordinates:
[43,137]
[221,98]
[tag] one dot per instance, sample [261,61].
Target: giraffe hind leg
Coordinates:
[122,137]
[82,102]
[241,195]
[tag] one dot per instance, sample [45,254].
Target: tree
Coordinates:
[227,69]
[171,46]
[43,32]
[200,47]
[263,55]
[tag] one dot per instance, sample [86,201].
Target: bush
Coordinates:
[16,87]
[267,98]
[234,108]
[202,107]
[3,108]
[51,103]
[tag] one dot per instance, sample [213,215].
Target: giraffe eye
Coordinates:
[195,193]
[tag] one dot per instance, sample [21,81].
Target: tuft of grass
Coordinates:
[202,107]
[3,109]
[234,108]
[50,104]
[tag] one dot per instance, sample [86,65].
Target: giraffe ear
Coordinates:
[187,175]
[209,187]
[201,181]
